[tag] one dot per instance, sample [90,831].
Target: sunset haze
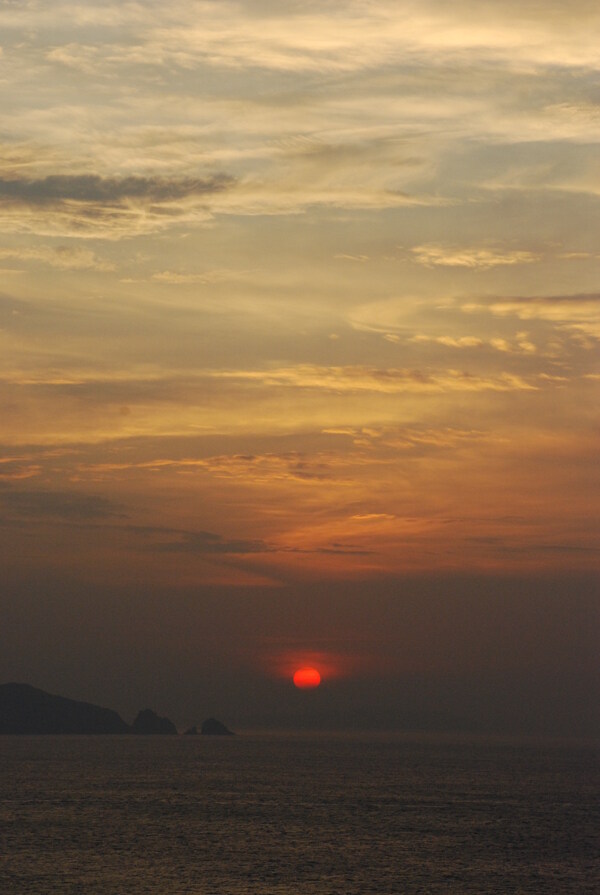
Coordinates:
[299,331]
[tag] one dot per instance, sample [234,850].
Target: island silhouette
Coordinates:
[27,710]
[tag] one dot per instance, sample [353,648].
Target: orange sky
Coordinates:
[295,295]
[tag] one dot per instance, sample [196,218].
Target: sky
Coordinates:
[299,337]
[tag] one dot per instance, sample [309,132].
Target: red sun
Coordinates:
[306,678]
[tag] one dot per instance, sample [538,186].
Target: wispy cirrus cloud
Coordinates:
[291,466]
[575,312]
[475,258]
[417,440]
[358,35]
[313,467]
[350,378]
[386,380]
[94,188]
[255,468]
[109,207]
[521,344]
[138,113]
[183,278]
[63,257]
[519,327]
[173,540]
[39,502]
[16,468]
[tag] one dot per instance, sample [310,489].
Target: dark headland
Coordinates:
[26,710]
[148,721]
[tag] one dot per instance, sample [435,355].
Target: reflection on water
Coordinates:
[306,815]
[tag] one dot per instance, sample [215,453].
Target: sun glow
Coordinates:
[306,678]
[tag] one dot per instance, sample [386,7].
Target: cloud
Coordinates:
[520,345]
[58,504]
[292,466]
[533,333]
[172,540]
[347,257]
[576,312]
[343,466]
[109,207]
[60,257]
[420,440]
[545,164]
[93,188]
[18,13]
[338,549]
[370,136]
[374,379]
[353,36]
[15,468]
[473,258]
[251,468]
[167,386]
[179,278]
[423,73]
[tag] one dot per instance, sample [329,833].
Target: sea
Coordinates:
[306,814]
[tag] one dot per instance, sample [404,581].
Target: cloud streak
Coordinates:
[575,312]
[92,188]
[356,36]
[472,258]
[372,379]
[60,257]
[34,502]
[172,540]
[108,207]
[325,242]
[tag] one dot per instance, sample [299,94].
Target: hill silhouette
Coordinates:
[27,710]
[148,722]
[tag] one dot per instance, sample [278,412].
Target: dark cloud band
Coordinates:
[93,188]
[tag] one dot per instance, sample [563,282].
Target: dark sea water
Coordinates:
[296,815]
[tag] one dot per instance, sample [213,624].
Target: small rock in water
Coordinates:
[212,727]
